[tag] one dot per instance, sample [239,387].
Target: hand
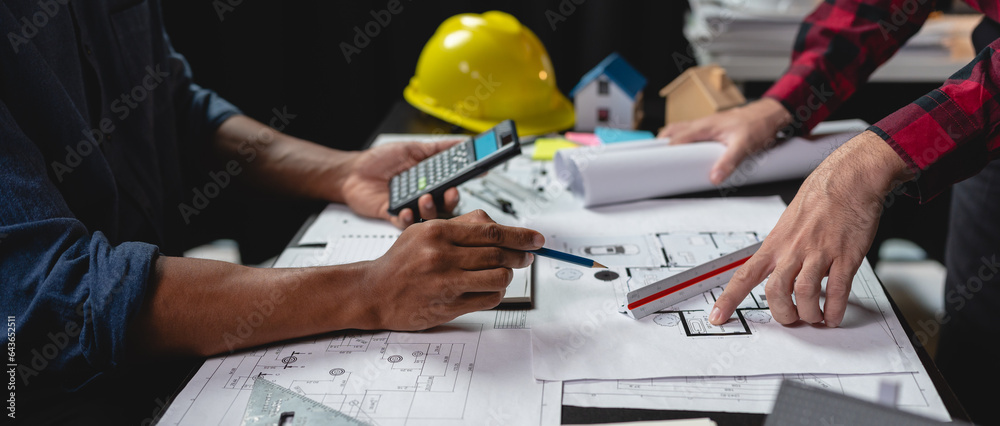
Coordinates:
[441,269]
[825,231]
[744,131]
[366,187]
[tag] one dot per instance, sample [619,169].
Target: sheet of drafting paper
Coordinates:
[652,168]
[579,333]
[349,238]
[473,370]
[749,394]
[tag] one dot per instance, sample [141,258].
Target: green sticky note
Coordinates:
[545,148]
[421,183]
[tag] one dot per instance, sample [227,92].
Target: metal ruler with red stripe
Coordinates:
[677,288]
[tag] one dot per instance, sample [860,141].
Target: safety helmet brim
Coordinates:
[558,118]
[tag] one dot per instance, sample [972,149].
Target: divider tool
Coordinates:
[677,288]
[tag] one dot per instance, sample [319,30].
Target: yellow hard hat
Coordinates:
[478,70]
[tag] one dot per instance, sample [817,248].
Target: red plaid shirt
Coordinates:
[945,136]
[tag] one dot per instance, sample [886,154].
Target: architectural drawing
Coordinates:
[746,394]
[635,250]
[646,259]
[576,322]
[383,378]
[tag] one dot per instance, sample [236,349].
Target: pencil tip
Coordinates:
[598,265]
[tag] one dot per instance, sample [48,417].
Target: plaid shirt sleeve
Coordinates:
[838,46]
[952,132]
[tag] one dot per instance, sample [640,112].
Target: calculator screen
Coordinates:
[485,144]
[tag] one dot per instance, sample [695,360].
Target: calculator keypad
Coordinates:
[429,173]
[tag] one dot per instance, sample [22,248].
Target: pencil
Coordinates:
[566,257]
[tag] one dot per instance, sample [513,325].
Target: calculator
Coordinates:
[449,168]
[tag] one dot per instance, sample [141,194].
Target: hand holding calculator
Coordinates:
[451,167]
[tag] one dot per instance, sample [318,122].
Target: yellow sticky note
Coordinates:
[545,148]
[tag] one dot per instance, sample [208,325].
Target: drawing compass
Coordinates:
[273,405]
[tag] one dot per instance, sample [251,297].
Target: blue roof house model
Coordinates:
[609,95]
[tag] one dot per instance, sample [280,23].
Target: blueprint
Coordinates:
[464,372]
[748,394]
[579,332]
[472,370]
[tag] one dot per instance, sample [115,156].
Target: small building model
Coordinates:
[699,92]
[609,95]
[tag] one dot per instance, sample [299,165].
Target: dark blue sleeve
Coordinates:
[70,291]
[199,110]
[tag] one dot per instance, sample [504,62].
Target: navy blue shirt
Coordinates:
[99,124]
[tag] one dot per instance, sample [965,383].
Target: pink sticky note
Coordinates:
[588,139]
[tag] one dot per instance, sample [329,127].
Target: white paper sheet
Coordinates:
[748,394]
[337,219]
[578,332]
[629,171]
[552,395]
[472,370]
[349,238]
[465,372]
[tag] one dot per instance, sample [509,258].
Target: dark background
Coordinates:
[269,54]
[265,54]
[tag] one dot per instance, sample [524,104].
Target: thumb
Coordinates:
[672,129]
[690,132]
[425,150]
[402,221]
[724,166]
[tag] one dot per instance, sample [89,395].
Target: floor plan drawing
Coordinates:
[747,394]
[682,250]
[637,261]
[572,327]
[381,378]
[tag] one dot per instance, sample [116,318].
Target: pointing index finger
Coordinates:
[746,278]
[493,234]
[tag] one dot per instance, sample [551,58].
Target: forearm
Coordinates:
[865,166]
[203,307]
[839,45]
[950,133]
[281,162]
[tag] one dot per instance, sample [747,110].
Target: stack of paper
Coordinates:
[743,34]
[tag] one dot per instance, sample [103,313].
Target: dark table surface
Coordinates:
[403,118]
